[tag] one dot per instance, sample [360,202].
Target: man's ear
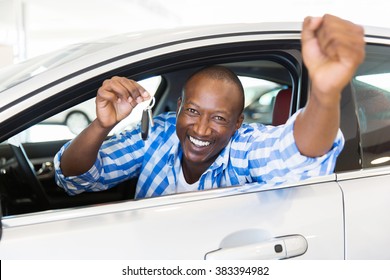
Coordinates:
[179,100]
[240,120]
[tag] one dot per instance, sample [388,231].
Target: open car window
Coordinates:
[43,140]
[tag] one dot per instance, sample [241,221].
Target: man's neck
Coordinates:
[192,172]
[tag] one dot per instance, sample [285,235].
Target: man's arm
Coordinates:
[332,50]
[115,100]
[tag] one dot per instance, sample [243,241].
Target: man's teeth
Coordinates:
[199,143]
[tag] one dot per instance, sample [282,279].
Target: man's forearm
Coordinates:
[81,154]
[317,125]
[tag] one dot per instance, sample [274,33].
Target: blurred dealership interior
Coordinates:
[32,27]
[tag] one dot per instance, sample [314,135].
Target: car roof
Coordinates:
[88,53]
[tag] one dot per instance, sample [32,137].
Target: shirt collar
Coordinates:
[175,154]
[223,158]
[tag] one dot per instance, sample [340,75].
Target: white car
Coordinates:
[340,216]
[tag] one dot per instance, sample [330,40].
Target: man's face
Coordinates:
[207,117]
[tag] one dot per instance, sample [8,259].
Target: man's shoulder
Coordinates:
[249,132]
[250,128]
[166,117]
[165,124]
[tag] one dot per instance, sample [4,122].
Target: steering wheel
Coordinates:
[28,172]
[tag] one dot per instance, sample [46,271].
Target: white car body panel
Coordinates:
[367,228]
[165,227]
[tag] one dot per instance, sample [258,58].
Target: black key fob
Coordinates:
[145,124]
[147,120]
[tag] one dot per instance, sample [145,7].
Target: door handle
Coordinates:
[282,247]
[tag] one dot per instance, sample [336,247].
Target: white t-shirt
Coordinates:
[183,186]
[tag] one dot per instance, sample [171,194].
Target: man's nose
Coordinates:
[202,126]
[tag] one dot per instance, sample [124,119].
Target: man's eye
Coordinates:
[192,111]
[219,118]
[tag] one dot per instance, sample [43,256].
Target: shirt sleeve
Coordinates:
[274,156]
[119,159]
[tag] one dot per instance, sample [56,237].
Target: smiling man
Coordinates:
[205,144]
[209,112]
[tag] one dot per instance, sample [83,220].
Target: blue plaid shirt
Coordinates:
[255,153]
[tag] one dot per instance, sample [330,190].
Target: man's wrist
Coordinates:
[101,129]
[328,99]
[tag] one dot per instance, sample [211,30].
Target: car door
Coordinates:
[306,221]
[303,220]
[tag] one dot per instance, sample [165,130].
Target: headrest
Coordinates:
[281,110]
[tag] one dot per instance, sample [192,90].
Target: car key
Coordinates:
[147,120]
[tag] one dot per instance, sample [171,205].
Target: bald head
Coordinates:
[220,73]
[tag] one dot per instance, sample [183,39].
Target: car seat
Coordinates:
[281,110]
